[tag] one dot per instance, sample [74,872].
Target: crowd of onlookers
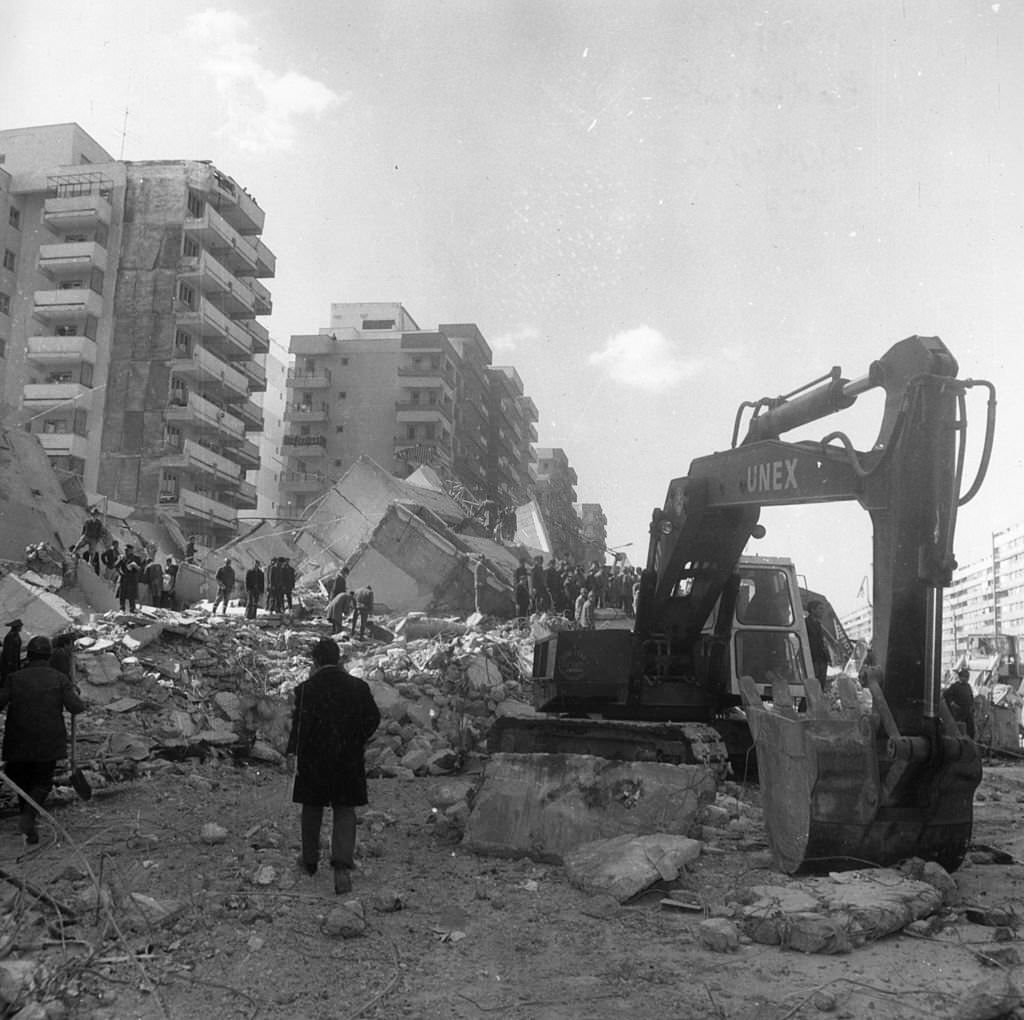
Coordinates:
[574,591]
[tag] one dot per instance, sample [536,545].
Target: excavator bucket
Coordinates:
[838,791]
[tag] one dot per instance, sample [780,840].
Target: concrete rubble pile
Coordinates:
[164,686]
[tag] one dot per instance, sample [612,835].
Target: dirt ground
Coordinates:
[475,937]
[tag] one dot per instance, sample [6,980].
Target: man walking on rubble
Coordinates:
[253,589]
[363,609]
[333,719]
[225,578]
[90,539]
[960,699]
[35,737]
[10,658]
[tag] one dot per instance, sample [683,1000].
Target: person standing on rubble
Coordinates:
[274,585]
[340,601]
[10,658]
[225,578]
[960,699]
[540,600]
[254,583]
[91,539]
[332,721]
[362,609]
[35,737]
[129,570]
[287,583]
[170,580]
[109,558]
[153,575]
[480,569]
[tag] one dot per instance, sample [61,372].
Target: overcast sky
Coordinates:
[652,210]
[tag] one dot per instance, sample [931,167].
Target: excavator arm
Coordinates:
[909,763]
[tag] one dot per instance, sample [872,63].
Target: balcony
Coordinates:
[259,335]
[76,212]
[308,379]
[64,444]
[61,260]
[425,452]
[205,273]
[306,412]
[194,505]
[60,350]
[266,260]
[248,454]
[304,447]
[303,481]
[236,204]
[39,395]
[251,415]
[435,377]
[410,413]
[216,234]
[205,368]
[227,339]
[196,457]
[73,303]
[255,374]
[200,412]
[242,496]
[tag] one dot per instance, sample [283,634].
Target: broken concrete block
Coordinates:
[229,703]
[139,637]
[40,611]
[213,834]
[626,865]
[101,669]
[995,996]
[544,805]
[935,874]
[718,935]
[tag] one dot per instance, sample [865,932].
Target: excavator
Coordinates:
[871,770]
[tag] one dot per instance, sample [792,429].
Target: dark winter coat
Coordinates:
[35,698]
[287,577]
[10,661]
[334,716]
[254,581]
[129,567]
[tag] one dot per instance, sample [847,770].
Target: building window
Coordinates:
[379,324]
[337,463]
[5,303]
[67,329]
[196,206]
[342,394]
[339,428]
[183,341]
[344,361]
[410,431]
[9,260]
[14,218]
[190,247]
[3,347]
[186,295]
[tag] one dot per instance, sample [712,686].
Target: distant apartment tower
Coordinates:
[986,598]
[375,384]
[268,478]
[593,531]
[554,486]
[135,350]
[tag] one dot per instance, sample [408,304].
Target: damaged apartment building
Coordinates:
[131,296]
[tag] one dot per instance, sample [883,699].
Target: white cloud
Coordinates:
[511,340]
[645,359]
[261,106]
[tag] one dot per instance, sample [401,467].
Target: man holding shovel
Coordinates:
[34,735]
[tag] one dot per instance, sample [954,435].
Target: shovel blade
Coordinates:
[80,784]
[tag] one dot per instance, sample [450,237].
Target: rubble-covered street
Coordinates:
[173,892]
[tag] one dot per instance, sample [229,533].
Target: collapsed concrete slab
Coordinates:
[544,805]
[40,611]
[838,913]
[627,865]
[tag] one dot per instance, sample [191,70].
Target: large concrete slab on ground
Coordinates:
[41,612]
[627,865]
[544,805]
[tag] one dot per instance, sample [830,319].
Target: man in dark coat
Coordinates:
[254,582]
[10,659]
[818,645]
[334,717]
[129,572]
[225,578]
[340,600]
[34,736]
[287,583]
[960,698]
